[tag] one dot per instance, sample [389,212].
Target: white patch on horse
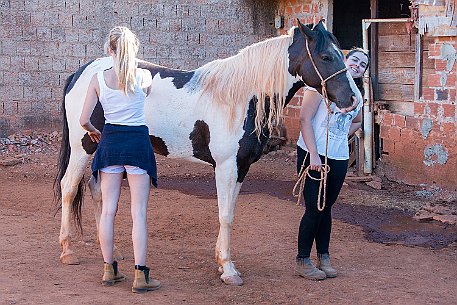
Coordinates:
[74,100]
[354,88]
[338,51]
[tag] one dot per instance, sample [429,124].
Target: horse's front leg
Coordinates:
[227,191]
[96,193]
[69,187]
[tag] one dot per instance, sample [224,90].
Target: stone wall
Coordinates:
[42,42]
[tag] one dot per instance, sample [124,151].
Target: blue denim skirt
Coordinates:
[125,145]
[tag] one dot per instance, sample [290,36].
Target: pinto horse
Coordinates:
[221,113]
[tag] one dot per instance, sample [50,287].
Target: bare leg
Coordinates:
[226,173]
[95,190]
[111,190]
[69,188]
[139,192]
[96,193]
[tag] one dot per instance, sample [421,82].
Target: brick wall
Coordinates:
[43,41]
[421,148]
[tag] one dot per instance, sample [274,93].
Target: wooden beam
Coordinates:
[418,69]
[396,59]
[401,76]
[397,43]
[374,48]
[396,92]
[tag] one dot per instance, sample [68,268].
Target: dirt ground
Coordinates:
[382,255]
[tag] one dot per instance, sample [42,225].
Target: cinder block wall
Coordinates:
[422,148]
[42,42]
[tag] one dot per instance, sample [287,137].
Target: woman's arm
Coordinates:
[89,105]
[310,104]
[356,124]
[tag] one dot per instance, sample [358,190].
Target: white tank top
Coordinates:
[338,130]
[124,109]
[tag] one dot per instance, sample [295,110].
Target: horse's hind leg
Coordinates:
[96,193]
[227,188]
[69,187]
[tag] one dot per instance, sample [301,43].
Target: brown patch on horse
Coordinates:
[159,146]
[98,120]
[200,138]
[180,77]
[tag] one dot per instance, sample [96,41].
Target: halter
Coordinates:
[326,169]
[323,81]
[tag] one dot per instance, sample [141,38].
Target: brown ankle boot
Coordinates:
[305,268]
[323,263]
[111,274]
[142,282]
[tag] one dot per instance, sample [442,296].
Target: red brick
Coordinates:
[433,80]
[449,129]
[306,8]
[293,112]
[394,134]
[428,93]
[388,146]
[295,101]
[433,107]
[447,39]
[412,123]
[448,110]
[399,120]
[419,108]
[451,78]
[409,138]
[440,65]
[387,118]
[452,95]
[433,50]
[289,11]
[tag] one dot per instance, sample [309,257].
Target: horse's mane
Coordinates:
[259,70]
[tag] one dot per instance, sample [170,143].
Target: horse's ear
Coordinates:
[306,31]
[321,26]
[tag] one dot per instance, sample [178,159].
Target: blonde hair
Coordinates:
[125,46]
[259,71]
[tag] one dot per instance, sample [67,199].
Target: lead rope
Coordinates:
[325,168]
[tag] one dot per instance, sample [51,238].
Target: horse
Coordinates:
[221,114]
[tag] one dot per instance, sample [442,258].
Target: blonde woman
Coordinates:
[124,146]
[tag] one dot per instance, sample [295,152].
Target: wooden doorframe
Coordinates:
[374,49]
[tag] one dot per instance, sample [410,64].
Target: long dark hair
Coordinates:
[359,80]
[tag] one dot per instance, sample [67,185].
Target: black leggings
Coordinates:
[316,225]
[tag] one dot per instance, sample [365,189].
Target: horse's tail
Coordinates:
[64,157]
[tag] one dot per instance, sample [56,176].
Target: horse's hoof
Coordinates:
[69,259]
[233,280]
[220,269]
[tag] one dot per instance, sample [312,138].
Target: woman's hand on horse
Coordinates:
[94,135]
[315,162]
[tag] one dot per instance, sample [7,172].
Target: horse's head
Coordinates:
[328,60]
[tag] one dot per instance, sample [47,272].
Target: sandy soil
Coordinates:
[382,255]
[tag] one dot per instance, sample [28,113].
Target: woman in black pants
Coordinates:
[316,225]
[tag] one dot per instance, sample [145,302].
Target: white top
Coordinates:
[124,109]
[338,129]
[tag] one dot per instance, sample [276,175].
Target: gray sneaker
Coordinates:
[323,263]
[305,268]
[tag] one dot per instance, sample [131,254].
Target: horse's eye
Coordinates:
[326,58]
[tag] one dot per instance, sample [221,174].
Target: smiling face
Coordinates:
[357,63]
